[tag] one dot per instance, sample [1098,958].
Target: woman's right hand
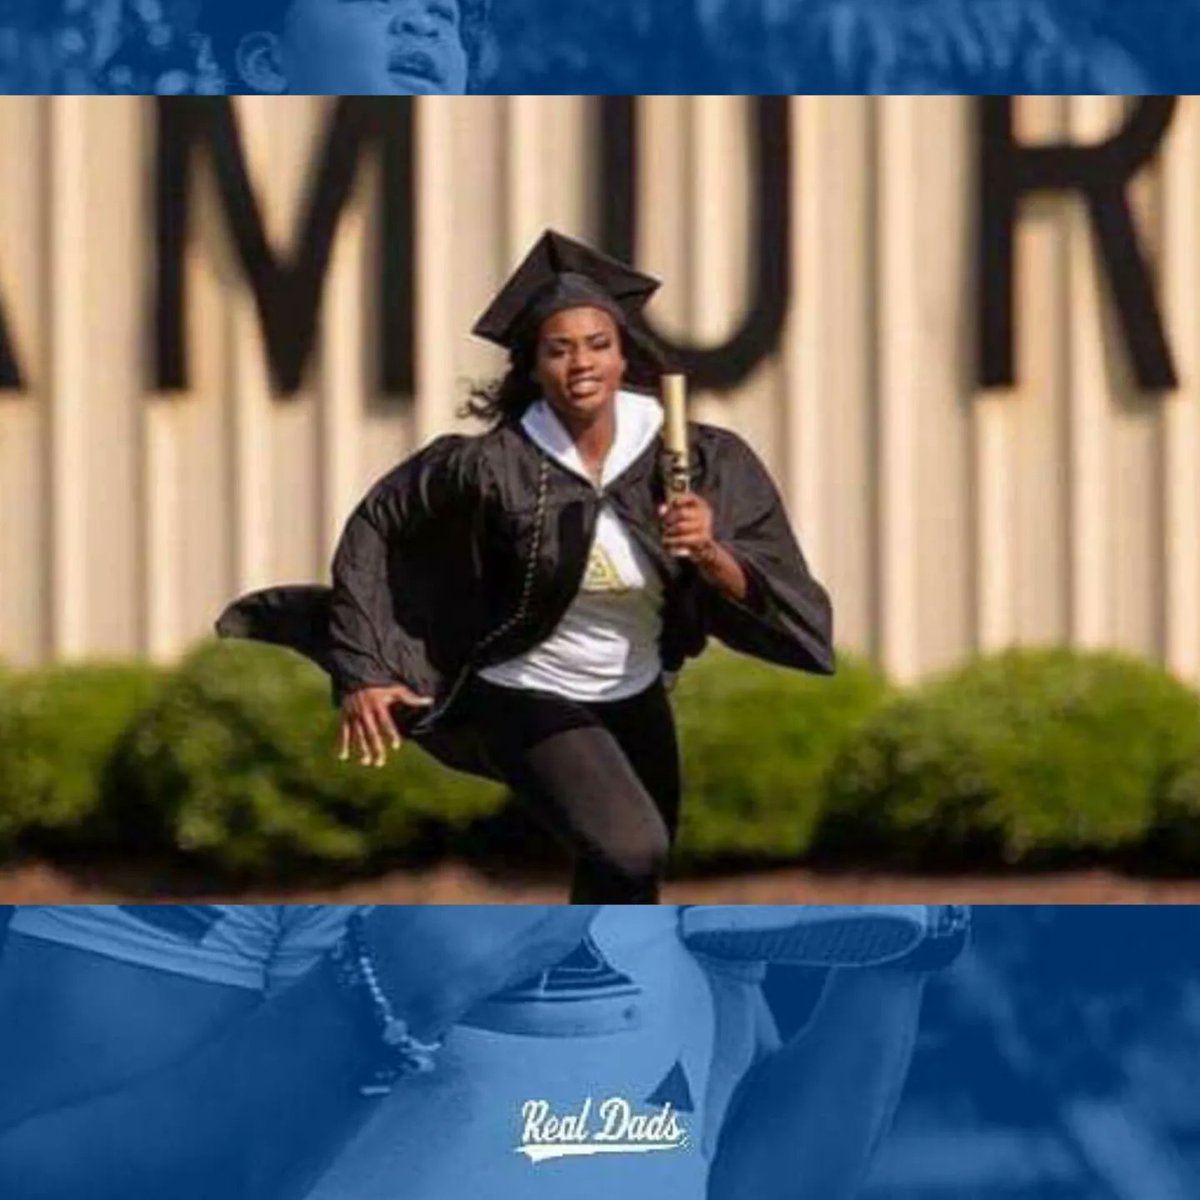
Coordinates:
[367,726]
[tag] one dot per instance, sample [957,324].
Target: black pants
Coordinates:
[603,777]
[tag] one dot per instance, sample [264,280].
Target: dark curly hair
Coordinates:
[226,24]
[505,400]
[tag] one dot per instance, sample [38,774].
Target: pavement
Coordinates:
[37,883]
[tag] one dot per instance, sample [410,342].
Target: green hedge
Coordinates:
[58,730]
[1173,842]
[757,743]
[227,762]
[234,766]
[1032,755]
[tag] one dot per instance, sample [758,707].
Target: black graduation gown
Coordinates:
[469,553]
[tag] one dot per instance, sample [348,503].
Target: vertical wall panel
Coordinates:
[899,264]
[24,524]
[342,374]
[1137,451]
[383,425]
[993,416]
[942,381]
[718,237]
[1035,414]
[24,527]
[571,197]
[439,222]
[664,164]
[198,509]
[114,247]
[831,355]
[482,174]
[294,520]
[1181,440]
[251,405]
[66,373]
[525,179]
[1090,406]
[808,342]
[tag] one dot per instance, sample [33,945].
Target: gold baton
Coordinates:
[676,479]
[675,445]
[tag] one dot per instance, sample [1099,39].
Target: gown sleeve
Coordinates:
[352,629]
[369,642]
[787,618]
[364,648]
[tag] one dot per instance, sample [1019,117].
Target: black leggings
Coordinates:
[602,776]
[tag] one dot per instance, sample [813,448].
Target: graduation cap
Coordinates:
[560,273]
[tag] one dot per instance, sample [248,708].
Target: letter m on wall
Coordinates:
[287,286]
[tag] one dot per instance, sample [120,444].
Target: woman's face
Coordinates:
[579,363]
[373,47]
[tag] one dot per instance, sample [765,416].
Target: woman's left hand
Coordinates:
[688,527]
[688,533]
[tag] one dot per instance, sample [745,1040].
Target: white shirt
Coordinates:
[606,646]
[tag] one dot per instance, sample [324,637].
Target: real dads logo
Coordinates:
[610,1126]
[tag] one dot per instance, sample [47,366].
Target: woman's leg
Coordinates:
[583,783]
[644,727]
[576,776]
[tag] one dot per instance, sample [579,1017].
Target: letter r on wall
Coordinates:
[1009,170]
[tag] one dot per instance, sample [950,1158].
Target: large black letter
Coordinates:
[1009,170]
[758,335]
[10,369]
[288,294]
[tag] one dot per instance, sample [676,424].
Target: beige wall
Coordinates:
[943,520]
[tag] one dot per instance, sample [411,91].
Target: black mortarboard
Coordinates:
[559,273]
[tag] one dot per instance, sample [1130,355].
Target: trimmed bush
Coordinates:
[1028,756]
[234,767]
[58,730]
[757,742]
[1173,842]
[228,763]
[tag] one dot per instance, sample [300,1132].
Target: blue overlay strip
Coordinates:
[705,1052]
[623,47]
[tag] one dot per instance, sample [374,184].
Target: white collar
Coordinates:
[638,420]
